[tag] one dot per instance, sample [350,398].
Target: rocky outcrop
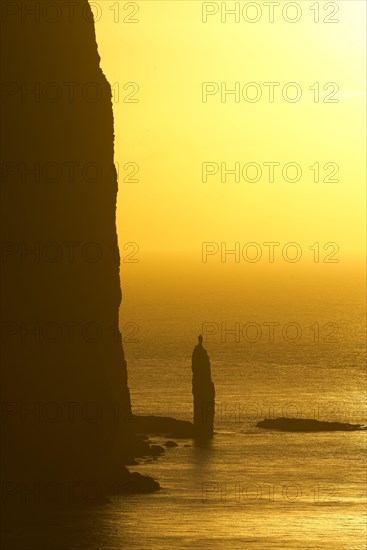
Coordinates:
[66,406]
[203,393]
[307,425]
[163,425]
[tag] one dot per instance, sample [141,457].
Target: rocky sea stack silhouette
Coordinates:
[203,392]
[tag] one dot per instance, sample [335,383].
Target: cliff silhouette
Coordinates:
[66,411]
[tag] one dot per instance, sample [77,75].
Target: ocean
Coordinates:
[251,488]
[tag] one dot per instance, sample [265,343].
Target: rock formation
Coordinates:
[203,392]
[307,425]
[66,406]
[163,425]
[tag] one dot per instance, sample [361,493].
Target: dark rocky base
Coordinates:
[138,446]
[307,425]
[135,483]
[163,425]
[60,516]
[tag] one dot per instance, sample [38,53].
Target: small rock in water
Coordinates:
[171,443]
[156,450]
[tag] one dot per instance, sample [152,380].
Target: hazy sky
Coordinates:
[170,132]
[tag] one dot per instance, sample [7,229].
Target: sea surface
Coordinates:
[249,488]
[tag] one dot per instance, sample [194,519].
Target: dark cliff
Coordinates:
[65,398]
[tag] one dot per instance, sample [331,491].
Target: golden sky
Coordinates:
[170,132]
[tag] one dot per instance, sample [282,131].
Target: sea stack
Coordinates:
[203,391]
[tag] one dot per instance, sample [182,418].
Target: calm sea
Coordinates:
[251,489]
[286,347]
